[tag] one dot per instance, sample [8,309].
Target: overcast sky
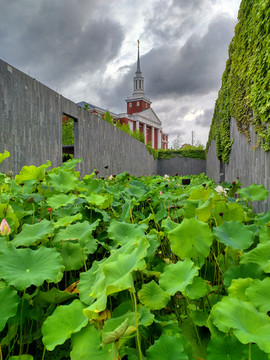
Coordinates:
[87,51]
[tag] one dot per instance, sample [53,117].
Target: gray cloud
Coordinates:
[204,120]
[60,41]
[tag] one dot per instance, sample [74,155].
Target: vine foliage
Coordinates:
[245,93]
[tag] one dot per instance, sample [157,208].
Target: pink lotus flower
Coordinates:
[4,228]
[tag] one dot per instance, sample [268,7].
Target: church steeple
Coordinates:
[138,80]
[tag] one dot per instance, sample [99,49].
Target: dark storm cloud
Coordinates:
[59,40]
[204,120]
[194,69]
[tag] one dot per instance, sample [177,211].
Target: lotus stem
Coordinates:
[21,325]
[249,351]
[134,301]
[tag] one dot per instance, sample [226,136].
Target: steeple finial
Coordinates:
[138,60]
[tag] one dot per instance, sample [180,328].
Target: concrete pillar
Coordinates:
[145,134]
[159,139]
[153,137]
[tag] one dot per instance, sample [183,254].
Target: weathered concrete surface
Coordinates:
[250,164]
[31,130]
[181,165]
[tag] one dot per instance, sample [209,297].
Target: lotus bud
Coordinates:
[4,228]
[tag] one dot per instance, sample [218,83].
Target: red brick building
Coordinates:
[139,114]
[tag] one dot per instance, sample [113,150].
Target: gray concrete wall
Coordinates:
[250,164]
[181,165]
[31,130]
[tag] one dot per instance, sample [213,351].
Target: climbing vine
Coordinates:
[245,92]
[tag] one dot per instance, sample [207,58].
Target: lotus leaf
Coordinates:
[250,270]
[254,192]
[230,212]
[32,173]
[204,211]
[21,357]
[58,200]
[259,294]
[25,267]
[168,225]
[260,255]
[72,256]
[81,232]
[33,233]
[9,301]
[166,348]
[234,234]
[224,348]
[53,296]
[176,277]
[115,273]
[63,181]
[190,208]
[122,232]
[100,200]
[67,220]
[65,320]
[248,324]
[4,156]
[86,345]
[238,288]
[197,289]
[153,296]
[192,238]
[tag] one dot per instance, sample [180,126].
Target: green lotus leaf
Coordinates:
[264,233]
[248,324]
[146,317]
[234,234]
[200,194]
[122,232]
[231,211]
[33,233]
[87,280]
[72,256]
[238,288]
[7,212]
[197,289]
[56,201]
[102,201]
[190,208]
[204,211]
[249,270]
[67,220]
[137,191]
[153,296]
[114,274]
[9,301]
[161,214]
[176,277]
[224,348]
[199,317]
[4,156]
[166,348]
[168,225]
[86,345]
[65,320]
[63,181]
[70,164]
[25,267]
[254,192]
[81,232]
[192,239]
[260,255]
[32,173]
[53,296]
[259,294]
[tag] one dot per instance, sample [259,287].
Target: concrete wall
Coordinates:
[31,130]
[250,164]
[181,165]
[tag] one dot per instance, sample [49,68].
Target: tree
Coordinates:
[177,143]
[108,117]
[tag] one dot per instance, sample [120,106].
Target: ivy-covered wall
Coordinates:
[245,89]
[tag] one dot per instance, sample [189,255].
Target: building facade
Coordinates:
[139,115]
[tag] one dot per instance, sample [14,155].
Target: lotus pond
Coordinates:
[131,268]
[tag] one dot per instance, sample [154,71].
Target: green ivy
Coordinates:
[191,153]
[245,93]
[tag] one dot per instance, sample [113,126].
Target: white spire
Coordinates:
[138,80]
